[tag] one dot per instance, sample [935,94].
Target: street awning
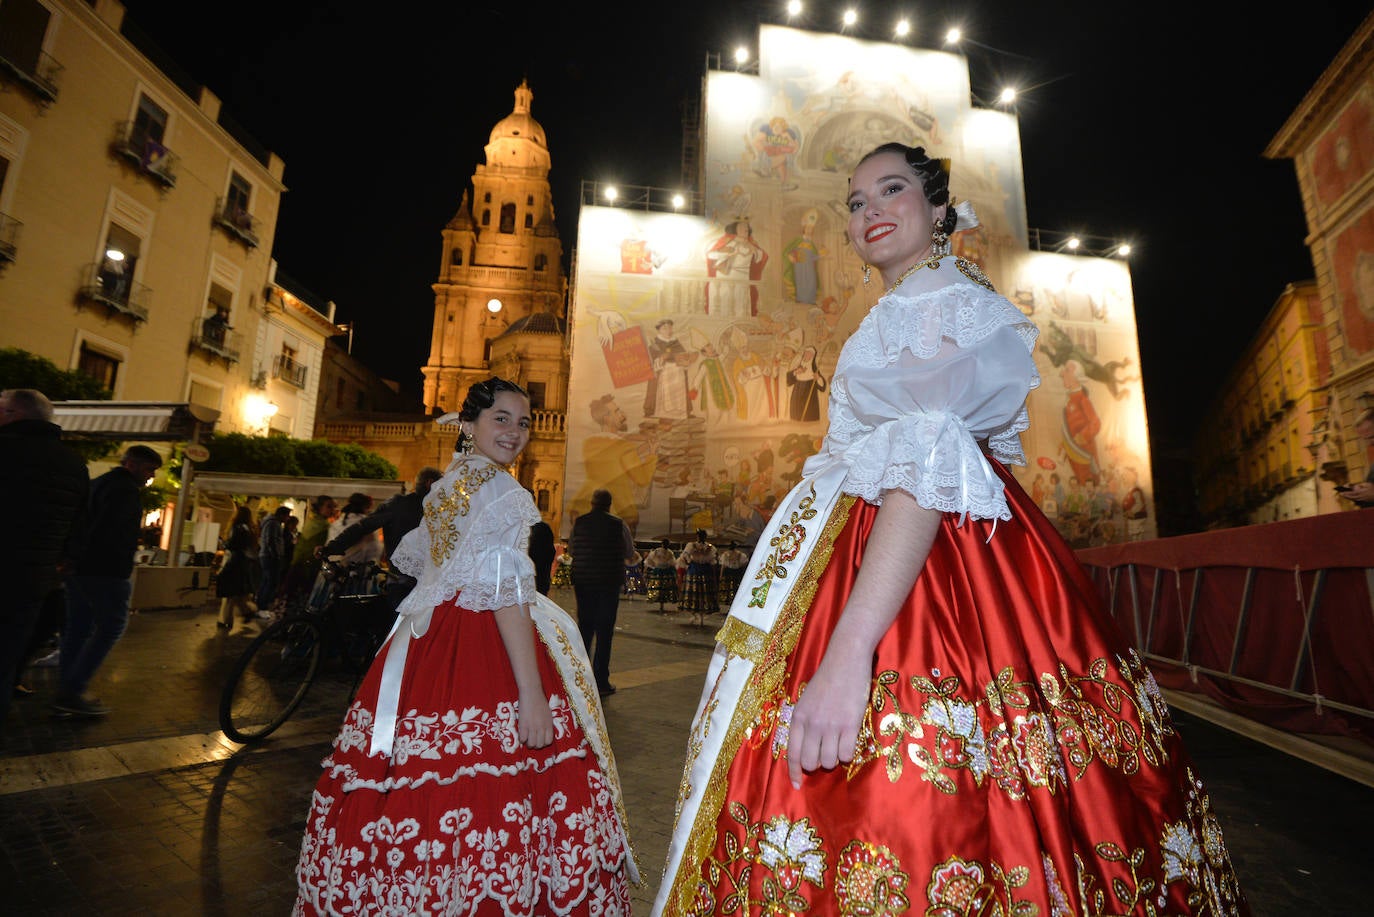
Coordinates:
[155,421]
[298,488]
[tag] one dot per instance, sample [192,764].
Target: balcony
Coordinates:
[237,222]
[9,239]
[216,338]
[116,292]
[39,77]
[146,154]
[288,371]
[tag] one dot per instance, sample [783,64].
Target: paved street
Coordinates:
[151,811]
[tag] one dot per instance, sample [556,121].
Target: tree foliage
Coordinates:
[22,369]
[239,453]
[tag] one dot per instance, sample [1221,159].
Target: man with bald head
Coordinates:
[46,487]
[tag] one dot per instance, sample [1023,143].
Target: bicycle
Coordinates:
[270,679]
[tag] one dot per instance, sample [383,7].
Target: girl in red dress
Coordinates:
[916,706]
[472,775]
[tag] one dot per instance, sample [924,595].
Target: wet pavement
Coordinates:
[152,811]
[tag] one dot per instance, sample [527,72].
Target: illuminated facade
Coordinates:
[703,343]
[501,261]
[138,253]
[1280,435]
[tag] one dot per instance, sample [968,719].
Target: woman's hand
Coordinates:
[535,721]
[824,730]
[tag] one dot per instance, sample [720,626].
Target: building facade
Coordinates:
[138,253]
[1289,411]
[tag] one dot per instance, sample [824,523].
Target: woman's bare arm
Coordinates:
[517,633]
[826,720]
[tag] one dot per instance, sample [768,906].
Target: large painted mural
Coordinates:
[703,346]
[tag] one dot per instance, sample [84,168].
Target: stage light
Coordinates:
[794,7]
[1007,96]
[678,201]
[850,17]
[1123,249]
[953,37]
[903,28]
[493,306]
[1072,244]
[611,194]
[741,55]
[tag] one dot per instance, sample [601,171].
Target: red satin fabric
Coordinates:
[966,808]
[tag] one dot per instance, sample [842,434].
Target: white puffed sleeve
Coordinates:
[473,539]
[921,383]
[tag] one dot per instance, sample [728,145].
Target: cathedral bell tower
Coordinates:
[501,245]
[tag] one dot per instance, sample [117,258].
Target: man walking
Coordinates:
[47,487]
[395,518]
[99,590]
[601,546]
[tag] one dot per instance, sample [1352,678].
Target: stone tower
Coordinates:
[501,246]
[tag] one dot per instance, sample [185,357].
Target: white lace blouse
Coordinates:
[473,538]
[939,366]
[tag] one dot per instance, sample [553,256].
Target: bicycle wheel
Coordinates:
[269,680]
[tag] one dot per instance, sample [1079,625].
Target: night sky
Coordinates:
[1139,121]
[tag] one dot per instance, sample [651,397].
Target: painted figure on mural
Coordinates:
[776,142]
[734,263]
[666,393]
[1078,440]
[800,256]
[808,386]
[749,372]
[621,464]
[710,388]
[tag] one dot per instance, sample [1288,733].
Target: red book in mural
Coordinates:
[627,358]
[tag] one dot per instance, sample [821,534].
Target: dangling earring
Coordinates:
[868,273]
[939,240]
[465,442]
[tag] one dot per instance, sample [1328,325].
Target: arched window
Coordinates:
[486,198]
[486,217]
[507,218]
[541,261]
[457,256]
[529,220]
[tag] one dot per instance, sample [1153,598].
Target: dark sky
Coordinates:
[1145,121]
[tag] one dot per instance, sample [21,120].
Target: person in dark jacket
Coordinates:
[601,546]
[98,591]
[46,488]
[237,581]
[541,551]
[395,518]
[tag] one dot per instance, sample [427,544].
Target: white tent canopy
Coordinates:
[296,488]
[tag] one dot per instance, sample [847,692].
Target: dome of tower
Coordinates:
[520,124]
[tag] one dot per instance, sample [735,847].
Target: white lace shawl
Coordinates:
[938,366]
[474,537]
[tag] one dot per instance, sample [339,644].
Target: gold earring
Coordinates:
[868,273]
[465,442]
[939,240]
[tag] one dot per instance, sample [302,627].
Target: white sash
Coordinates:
[768,582]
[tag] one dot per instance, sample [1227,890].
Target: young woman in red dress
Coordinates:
[916,705]
[473,774]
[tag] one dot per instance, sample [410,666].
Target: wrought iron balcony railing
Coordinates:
[147,154]
[40,77]
[216,338]
[115,291]
[288,370]
[237,222]
[9,238]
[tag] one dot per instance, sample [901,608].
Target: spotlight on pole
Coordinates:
[953,37]
[850,17]
[611,193]
[741,56]
[903,28]
[678,201]
[794,7]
